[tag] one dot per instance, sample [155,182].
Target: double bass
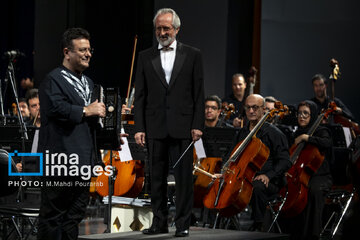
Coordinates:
[232,193]
[338,118]
[304,157]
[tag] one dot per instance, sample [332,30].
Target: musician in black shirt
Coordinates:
[322,100]
[270,179]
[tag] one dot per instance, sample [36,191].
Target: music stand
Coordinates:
[138,153]
[218,142]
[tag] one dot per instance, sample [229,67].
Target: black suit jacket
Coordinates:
[172,109]
[63,129]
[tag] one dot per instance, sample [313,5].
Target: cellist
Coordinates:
[269,180]
[308,224]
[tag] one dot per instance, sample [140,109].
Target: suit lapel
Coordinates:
[179,61]
[156,62]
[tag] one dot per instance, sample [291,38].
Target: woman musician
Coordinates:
[309,222]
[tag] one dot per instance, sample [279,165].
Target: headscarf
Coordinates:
[313,116]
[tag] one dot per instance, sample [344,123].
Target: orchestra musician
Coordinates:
[66,108]
[213,111]
[32,98]
[321,98]
[269,103]
[271,177]
[169,114]
[237,97]
[308,224]
[24,109]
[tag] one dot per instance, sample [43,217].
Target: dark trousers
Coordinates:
[162,153]
[261,195]
[61,210]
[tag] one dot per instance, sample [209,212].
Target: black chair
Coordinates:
[275,205]
[341,199]
[18,217]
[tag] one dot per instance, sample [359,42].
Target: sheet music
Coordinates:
[348,137]
[199,148]
[125,154]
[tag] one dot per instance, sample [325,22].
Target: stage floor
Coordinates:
[195,233]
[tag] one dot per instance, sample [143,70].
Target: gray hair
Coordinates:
[270,99]
[175,20]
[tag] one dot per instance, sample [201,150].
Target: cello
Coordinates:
[129,177]
[203,170]
[303,157]
[232,193]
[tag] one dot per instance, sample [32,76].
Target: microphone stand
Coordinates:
[23,129]
[111,191]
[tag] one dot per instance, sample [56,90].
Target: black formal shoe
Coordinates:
[184,233]
[155,230]
[256,226]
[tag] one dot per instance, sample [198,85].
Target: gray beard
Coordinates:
[166,42]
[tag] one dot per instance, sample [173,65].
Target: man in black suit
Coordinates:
[65,96]
[169,114]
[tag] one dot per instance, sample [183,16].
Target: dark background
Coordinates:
[289,41]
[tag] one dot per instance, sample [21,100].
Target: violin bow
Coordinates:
[131,69]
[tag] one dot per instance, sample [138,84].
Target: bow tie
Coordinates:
[165,49]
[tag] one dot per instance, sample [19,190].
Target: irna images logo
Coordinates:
[59,164]
[33,155]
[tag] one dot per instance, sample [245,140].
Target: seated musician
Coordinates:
[213,111]
[269,103]
[310,220]
[270,179]
[32,98]
[322,100]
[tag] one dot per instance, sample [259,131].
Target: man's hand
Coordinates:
[19,167]
[140,138]
[302,137]
[125,109]
[95,109]
[263,178]
[237,122]
[196,134]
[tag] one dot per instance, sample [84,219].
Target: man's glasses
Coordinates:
[165,29]
[304,114]
[211,107]
[254,107]
[84,50]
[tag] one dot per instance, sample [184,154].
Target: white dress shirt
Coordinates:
[167,59]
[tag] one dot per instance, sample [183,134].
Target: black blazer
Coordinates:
[63,129]
[172,109]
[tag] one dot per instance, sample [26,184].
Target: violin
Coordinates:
[226,111]
[203,170]
[338,118]
[129,177]
[303,157]
[232,193]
